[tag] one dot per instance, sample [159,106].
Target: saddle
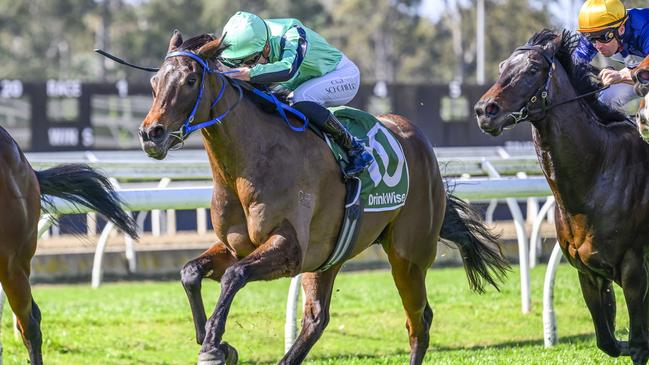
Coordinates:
[384,186]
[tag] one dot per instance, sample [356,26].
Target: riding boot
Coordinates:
[359,157]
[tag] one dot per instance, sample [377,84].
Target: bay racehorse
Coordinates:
[598,169]
[278,204]
[641,78]
[24,193]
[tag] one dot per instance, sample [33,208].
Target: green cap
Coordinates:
[246,33]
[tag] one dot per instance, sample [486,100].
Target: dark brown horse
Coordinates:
[641,78]
[598,169]
[21,192]
[278,206]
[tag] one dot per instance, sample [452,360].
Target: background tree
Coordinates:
[390,40]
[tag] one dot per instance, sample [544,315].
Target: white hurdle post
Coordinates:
[550,337]
[156,221]
[523,255]
[290,325]
[535,236]
[129,244]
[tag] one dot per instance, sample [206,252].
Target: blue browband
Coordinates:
[188,127]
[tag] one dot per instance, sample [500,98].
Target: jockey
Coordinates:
[286,53]
[608,28]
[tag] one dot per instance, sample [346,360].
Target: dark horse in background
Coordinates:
[278,205]
[598,169]
[22,191]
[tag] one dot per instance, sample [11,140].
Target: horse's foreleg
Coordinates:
[279,256]
[317,293]
[211,263]
[28,315]
[410,280]
[600,299]
[635,287]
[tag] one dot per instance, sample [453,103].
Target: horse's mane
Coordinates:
[583,75]
[196,42]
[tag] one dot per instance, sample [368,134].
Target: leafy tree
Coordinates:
[42,39]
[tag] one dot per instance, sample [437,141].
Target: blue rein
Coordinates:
[188,127]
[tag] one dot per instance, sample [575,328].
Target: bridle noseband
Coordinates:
[540,102]
[187,128]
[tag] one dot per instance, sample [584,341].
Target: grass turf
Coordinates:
[150,323]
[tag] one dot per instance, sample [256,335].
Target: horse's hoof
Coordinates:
[224,355]
[214,357]
[231,354]
[624,348]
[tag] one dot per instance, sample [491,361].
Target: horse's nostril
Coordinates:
[642,76]
[143,135]
[492,109]
[156,133]
[642,119]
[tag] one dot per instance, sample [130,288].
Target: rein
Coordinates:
[541,95]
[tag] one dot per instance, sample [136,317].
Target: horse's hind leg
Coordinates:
[18,291]
[211,263]
[600,299]
[635,287]
[317,293]
[410,279]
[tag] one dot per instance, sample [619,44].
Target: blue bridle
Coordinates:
[187,127]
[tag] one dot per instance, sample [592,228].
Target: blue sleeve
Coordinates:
[640,18]
[645,41]
[585,51]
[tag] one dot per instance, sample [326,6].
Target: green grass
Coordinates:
[150,323]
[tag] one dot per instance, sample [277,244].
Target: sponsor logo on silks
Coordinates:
[340,88]
[386,199]
[387,170]
[377,148]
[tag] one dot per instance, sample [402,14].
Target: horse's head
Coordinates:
[177,92]
[641,78]
[522,87]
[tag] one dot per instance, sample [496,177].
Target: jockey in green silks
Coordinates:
[286,53]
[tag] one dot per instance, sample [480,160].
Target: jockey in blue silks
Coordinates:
[607,27]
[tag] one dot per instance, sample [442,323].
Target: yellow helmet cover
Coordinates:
[597,15]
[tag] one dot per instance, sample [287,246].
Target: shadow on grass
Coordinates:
[581,338]
[340,358]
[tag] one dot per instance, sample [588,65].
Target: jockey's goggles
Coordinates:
[247,61]
[603,36]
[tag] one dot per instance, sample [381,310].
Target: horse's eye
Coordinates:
[191,81]
[534,70]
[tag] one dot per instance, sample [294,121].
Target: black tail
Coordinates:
[480,250]
[80,184]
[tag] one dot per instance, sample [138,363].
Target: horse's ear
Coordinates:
[175,42]
[211,49]
[553,46]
